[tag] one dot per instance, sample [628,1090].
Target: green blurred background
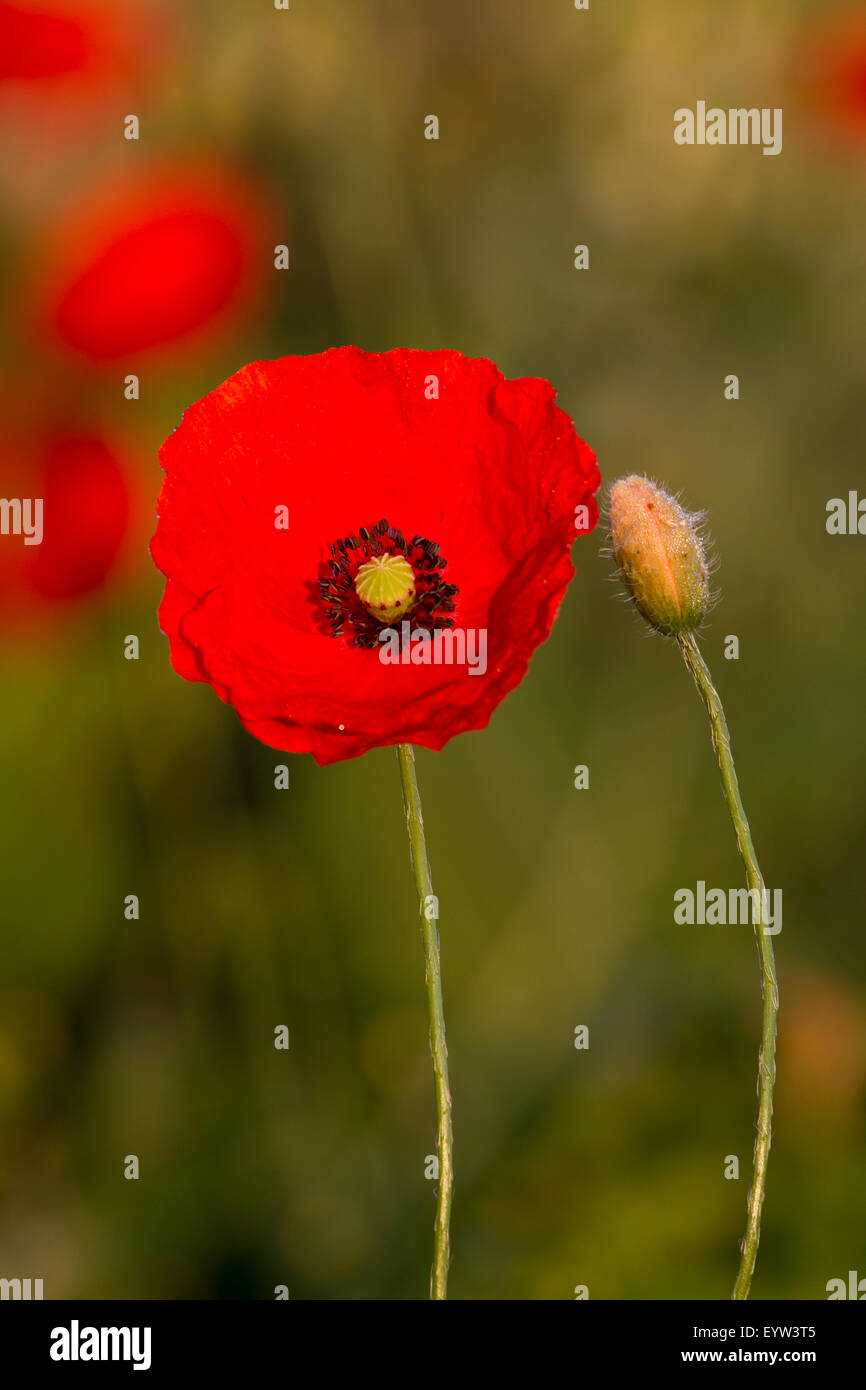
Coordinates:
[155,1037]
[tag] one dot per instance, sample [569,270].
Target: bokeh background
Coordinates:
[154,1037]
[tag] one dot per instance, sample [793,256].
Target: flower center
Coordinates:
[386,587]
[377,577]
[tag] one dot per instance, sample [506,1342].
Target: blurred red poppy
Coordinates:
[63,529]
[150,263]
[75,56]
[70,72]
[86,515]
[831,73]
[42,41]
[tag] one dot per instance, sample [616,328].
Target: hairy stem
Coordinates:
[429,909]
[769,988]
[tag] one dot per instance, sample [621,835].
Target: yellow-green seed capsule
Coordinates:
[386,587]
[660,555]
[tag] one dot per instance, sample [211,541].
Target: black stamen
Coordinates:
[343,611]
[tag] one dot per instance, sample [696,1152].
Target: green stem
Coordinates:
[769,988]
[429,909]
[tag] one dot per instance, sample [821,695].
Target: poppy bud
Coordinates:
[660,555]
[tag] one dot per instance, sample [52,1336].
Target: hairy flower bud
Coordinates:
[660,555]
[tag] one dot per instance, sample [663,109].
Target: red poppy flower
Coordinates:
[298,484]
[149,263]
